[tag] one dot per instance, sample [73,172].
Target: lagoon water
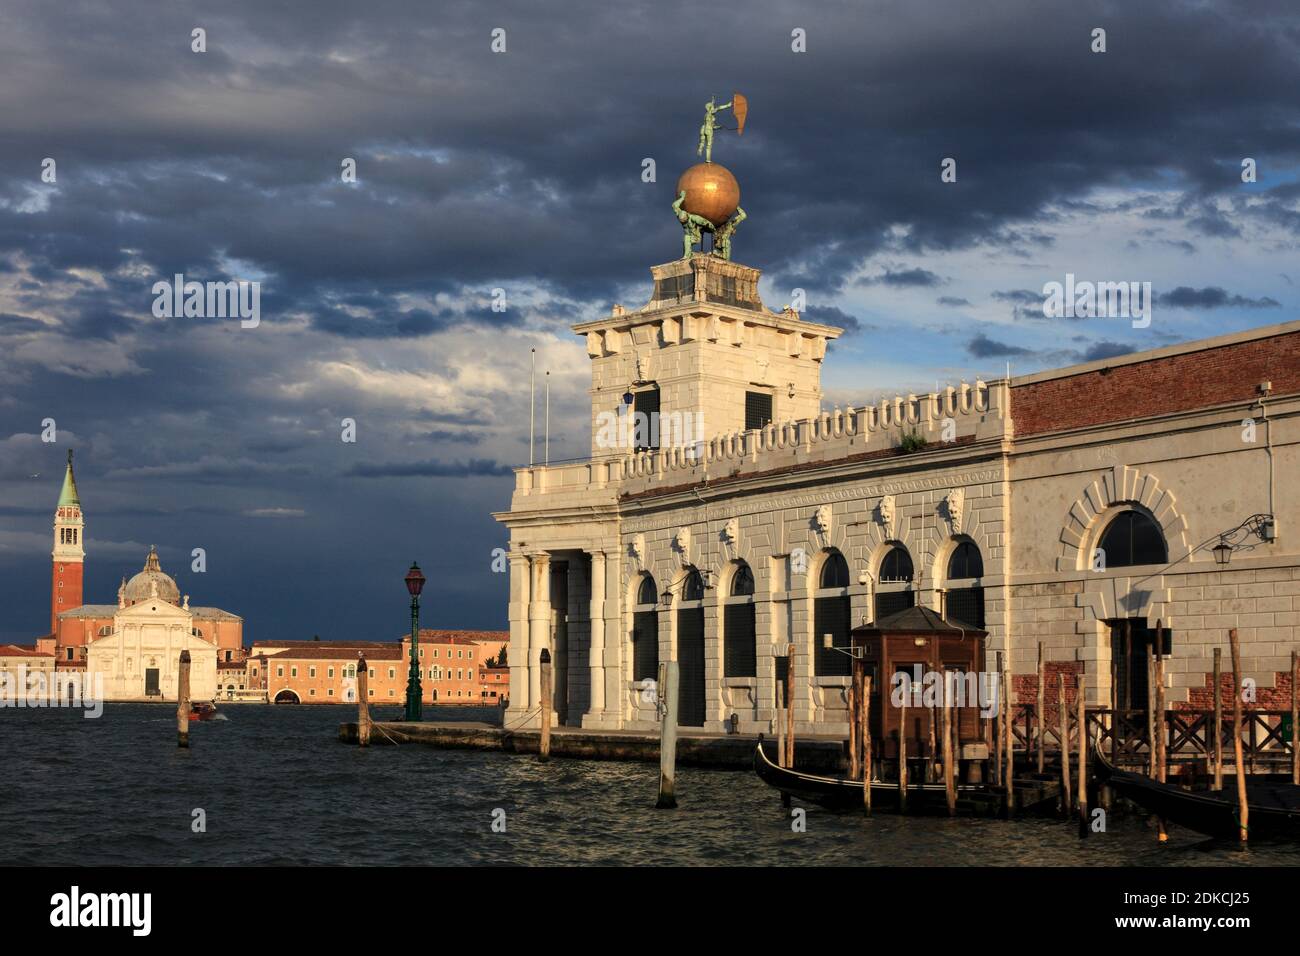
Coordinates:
[277,787]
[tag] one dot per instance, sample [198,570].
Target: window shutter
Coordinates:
[758,410]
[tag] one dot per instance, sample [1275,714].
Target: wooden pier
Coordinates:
[825,755]
[694,749]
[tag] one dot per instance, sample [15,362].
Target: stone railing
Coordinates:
[977,412]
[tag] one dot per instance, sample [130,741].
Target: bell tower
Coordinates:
[69,555]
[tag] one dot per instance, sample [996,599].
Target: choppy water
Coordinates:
[278,788]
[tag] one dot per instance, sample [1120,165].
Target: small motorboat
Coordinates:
[841,793]
[202,710]
[1274,807]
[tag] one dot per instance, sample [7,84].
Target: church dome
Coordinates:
[142,586]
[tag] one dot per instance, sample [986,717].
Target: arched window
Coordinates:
[831,616]
[742,582]
[965,605]
[647,593]
[1132,538]
[894,593]
[693,587]
[645,631]
[835,571]
[965,562]
[897,565]
[739,649]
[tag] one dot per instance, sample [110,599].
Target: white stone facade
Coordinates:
[783,497]
[149,636]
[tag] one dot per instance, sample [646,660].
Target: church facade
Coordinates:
[723,515]
[133,645]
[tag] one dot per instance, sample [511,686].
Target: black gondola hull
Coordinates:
[839,793]
[1274,807]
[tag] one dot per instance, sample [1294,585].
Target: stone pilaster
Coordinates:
[520,595]
[597,615]
[539,626]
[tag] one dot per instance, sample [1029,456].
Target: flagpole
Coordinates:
[532,402]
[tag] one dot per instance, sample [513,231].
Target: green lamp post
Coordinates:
[414,584]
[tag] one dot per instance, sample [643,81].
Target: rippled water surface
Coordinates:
[278,788]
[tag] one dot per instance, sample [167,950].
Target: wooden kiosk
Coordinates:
[918,641]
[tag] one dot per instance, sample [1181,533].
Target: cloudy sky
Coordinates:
[522,171]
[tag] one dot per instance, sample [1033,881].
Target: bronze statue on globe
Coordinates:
[708,196]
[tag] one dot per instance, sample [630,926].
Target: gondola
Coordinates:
[840,793]
[1274,807]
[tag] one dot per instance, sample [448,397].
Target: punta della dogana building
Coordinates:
[1075,508]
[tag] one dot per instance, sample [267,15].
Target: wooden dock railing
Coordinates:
[1188,735]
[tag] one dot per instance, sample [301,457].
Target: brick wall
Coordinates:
[1024,687]
[1158,386]
[1277,697]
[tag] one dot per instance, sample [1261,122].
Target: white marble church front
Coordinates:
[140,658]
[990,503]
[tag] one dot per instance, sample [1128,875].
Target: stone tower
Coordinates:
[705,354]
[69,555]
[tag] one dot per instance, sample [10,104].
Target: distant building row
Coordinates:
[135,644]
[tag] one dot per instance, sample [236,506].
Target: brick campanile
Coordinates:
[69,555]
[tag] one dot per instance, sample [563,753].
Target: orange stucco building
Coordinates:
[324,672]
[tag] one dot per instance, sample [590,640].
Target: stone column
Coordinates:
[615,640]
[539,626]
[520,596]
[597,616]
[715,703]
[799,631]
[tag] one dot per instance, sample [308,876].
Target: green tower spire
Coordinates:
[68,496]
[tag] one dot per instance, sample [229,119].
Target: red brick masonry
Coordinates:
[1158,386]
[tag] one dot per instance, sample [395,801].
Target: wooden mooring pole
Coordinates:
[1042,705]
[1295,718]
[1067,797]
[1243,809]
[544,745]
[1009,748]
[866,742]
[1162,727]
[902,756]
[1151,714]
[363,702]
[1218,718]
[998,726]
[668,737]
[949,776]
[1082,721]
[789,707]
[852,695]
[182,700]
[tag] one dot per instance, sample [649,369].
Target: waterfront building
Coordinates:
[1073,508]
[18,659]
[325,671]
[494,684]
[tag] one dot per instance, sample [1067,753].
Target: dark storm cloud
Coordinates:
[1212,297]
[1025,304]
[522,172]
[431,469]
[1105,350]
[904,279]
[831,315]
[1019,296]
[981,346]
